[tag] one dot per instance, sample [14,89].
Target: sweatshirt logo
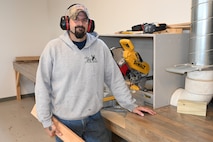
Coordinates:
[91,59]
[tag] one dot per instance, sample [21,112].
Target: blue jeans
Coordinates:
[90,129]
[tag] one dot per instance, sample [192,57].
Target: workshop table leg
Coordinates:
[18,87]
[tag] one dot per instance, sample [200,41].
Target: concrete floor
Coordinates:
[18,125]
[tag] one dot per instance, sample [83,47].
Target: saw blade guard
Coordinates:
[131,65]
[133,58]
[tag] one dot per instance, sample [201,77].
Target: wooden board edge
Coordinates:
[192,107]
[68,135]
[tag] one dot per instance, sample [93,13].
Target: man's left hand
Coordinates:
[140,109]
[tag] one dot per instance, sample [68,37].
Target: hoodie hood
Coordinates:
[91,38]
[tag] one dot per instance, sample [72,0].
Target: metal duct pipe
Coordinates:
[201,36]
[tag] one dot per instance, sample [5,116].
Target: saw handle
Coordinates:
[127,44]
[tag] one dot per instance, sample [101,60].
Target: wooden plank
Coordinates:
[68,135]
[27,58]
[180,24]
[186,25]
[192,107]
[179,27]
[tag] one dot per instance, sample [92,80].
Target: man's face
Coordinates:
[79,25]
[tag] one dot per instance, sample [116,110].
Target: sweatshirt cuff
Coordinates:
[130,108]
[47,124]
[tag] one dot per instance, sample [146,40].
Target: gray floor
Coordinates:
[18,125]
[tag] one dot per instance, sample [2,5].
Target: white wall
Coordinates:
[115,15]
[27,25]
[24,32]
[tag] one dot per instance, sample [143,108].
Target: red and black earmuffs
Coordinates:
[65,25]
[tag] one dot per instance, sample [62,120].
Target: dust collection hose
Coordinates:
[199,84]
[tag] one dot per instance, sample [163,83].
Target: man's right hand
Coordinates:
[52,131]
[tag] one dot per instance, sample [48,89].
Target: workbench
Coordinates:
[27,69]
[166,126]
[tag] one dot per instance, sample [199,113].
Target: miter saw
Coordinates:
[132,66]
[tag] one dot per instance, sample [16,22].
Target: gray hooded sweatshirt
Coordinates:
[70,82]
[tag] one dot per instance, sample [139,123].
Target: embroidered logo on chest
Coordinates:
[91,59]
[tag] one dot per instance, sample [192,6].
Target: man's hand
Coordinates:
[52,131]
[140,109]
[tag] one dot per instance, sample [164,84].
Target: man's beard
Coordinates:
[79,32]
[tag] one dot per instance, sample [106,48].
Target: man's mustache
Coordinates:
[80,27]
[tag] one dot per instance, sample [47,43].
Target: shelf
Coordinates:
[160,51]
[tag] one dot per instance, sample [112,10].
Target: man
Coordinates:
[70,81]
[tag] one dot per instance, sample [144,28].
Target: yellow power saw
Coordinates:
[131,64]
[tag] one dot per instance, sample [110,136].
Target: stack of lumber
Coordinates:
[172,28]
[176,28]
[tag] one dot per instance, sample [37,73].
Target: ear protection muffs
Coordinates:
[91,26]
[65,25]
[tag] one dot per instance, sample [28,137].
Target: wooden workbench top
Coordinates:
[166,126]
